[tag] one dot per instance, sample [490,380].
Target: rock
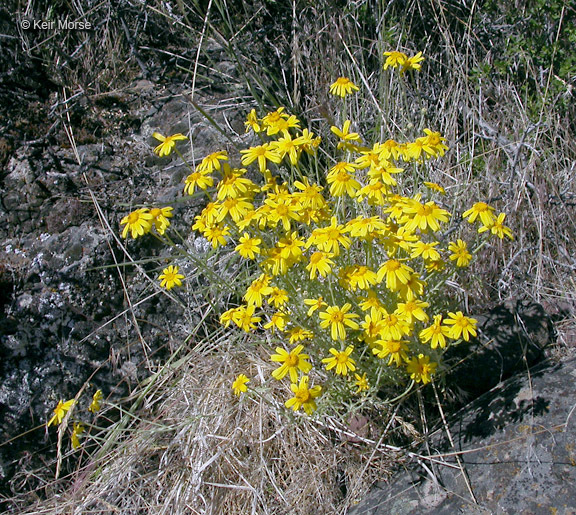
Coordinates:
[517,450]
[511,337]
[61,298]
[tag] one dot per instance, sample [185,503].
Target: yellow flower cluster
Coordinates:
[142,221]
[348,268]
[324,279]
[396,59]
[62,409]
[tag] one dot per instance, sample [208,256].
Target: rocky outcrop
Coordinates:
[516,450]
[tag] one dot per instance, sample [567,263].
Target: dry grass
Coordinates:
[194,448]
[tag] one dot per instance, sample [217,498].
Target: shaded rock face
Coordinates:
[512,336]
[64,315]
[517,454]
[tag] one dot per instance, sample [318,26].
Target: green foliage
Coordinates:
[533,48]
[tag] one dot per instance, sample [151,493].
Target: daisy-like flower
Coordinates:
[170,277]
[434,145]
[314,304]
[460,253]
[336,319]
[372,303]
[216,233]
[257,290]
[278,297]
[261,153]
[299,334]
[347,138]
[394,350]
[395,273]
[498,228]
[231,315]
[361,277]
[252,122]
[197,179]
[287,146]
[426,250]
[239,384]
[292,362]
[342,182]
[310,195]
[341,360]
[167,143]
[434,187]
[330,238]
[421,369]
[233,185]
[412,63]
[248,247]
[244,317]
[137,223]
[413,310]
[77,430]
[160,217]
[425,216]
[413,289]
[482,210]
[278,320]
[303,396]
[361,382]
[60,412]
[436,333]
[342,87]
[96,403]
[393,326]
[212,162]
[320,263]
[394,59]
[462,326]
[282,210]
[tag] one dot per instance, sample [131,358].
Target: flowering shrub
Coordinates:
[348,266]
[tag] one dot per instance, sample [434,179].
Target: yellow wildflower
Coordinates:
[239,384]
[462,326]
[342,87]
[77,430]
[96,402]
[170,277]
[138,223]
[394,350]
[212,162]
[394,59]
[435,334]
[498,228]
[167,143]
[361,382]
[482,210]
[336,319]
[60,411]
[160,218]
[460,253]
[341,360]
[421,369]
[291,361]
[303,396]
